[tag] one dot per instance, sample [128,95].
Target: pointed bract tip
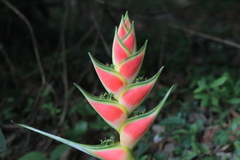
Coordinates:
[146,42]
[133,130]
[126,14]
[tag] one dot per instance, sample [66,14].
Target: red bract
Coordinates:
[120,51]
[132,132]
[127,95]
[111,111]
[124,42]
[123,97]
[133,94]
[114,153]
[130,66]
[112,80]
[124,26]
[134,128]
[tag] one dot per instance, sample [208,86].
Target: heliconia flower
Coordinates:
[130,66]
[124,42]
[124,96]
[111,111]
[135,93]
[112,80]
[114,151]
[124,26]
[134,128]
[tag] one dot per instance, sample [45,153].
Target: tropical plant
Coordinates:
[124,94]
[2,141]
[218,94]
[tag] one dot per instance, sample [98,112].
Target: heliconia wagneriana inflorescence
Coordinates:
[124,94]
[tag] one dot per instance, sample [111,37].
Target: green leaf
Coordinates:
[236,144]
[237,152]
[235,124]
[144,157]
[58,151]
[201,96]
[188,155]
[195,148]
[173,121]
[237,148]
[204,149]
[200,125]
[238,133]
[219,82]
[221,137]
[214,101]
[161,155]
[75,132]
[180,131]
[204,99]
[193,128]
[199,89]
[202,83]
[186,141]
[201,86]
[33,155]
[2,142]
[81,127]
[142,148]
[93,150]
[234,101]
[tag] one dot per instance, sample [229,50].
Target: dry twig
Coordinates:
[65,73]
[207,36]
[36,52]
[10,64]
[34,41]
[99,31]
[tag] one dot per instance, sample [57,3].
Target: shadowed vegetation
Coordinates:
[44,49]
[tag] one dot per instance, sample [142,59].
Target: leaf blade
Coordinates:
[2,142]
[118,151]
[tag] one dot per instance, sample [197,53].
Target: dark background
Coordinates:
[43,50]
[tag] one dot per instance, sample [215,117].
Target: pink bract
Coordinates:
[123,97]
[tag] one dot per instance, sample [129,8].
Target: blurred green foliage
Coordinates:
[55,155]
[219,94]
[205,72]
[2,141]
